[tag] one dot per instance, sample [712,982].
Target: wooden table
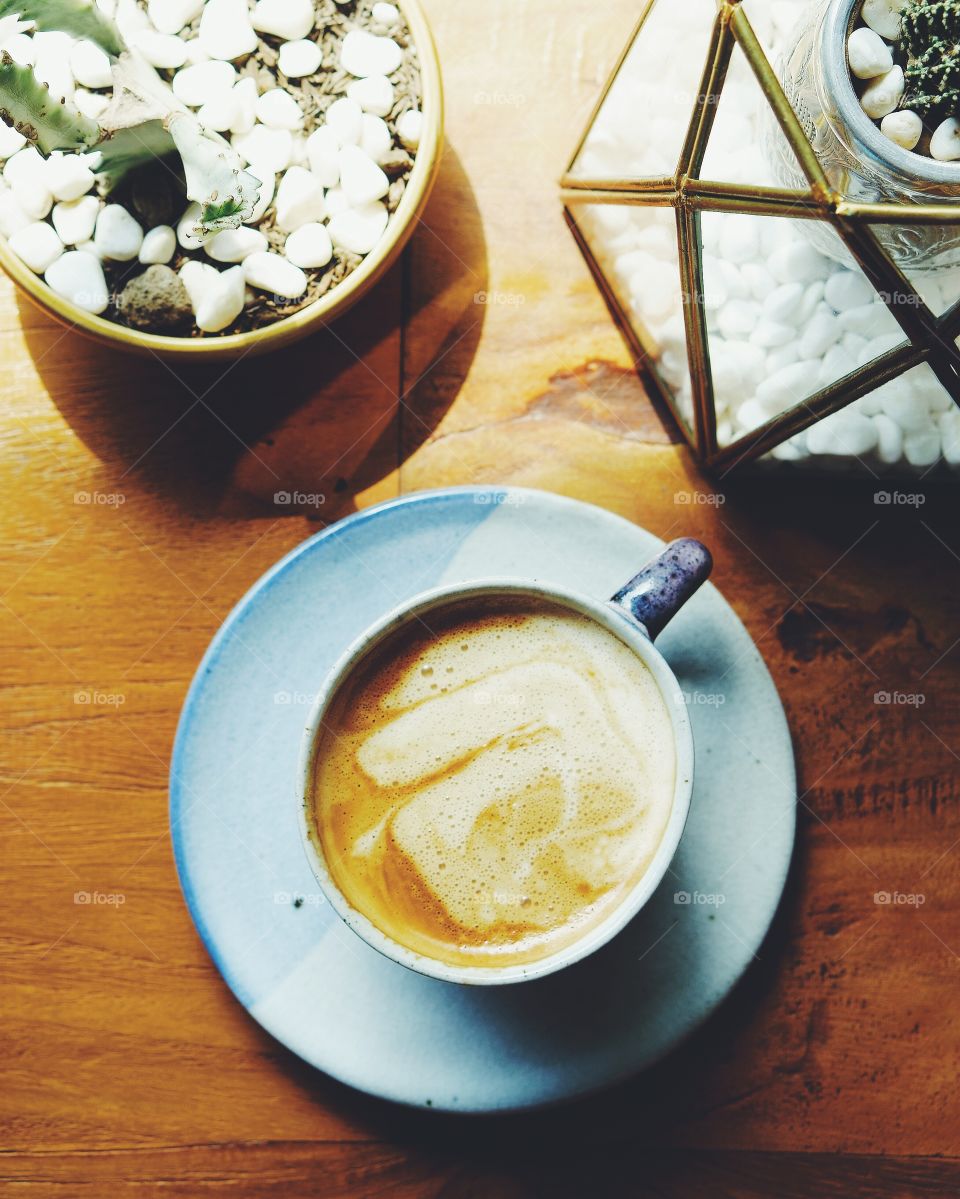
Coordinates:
[138,506]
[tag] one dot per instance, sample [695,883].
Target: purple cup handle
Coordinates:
[659,591]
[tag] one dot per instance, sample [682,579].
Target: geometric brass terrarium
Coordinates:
[789,279]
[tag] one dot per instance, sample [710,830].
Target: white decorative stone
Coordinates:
[845,433]
[52,65]
[821,332]
[798,262]
[10,140]
[118,235]
[159,246]
[787,386]
[245,105]
[222,302]
[90,65]
[265,149]
[782,301]
[12,216]
[945,143]
[812,302]
[188,234]
[220,113]
[21,49]
[75,220]
[883,17]
[922,448]
[374,94]
[68,176]
[234,245]
[739,239]
[386,15]
[170,16]
[268,187]
[949,424]
[199,278]
[345,120]
[91,104]
[336,201]
[868,54]
[899,402]
[300,199]
[271,273]
[37,245]
[363,54]
[309,246]
[26,173]
[903,127]
[360,177]
[375,139]
[300,58]
[772,333]
[410,128]
[289,19]
[358,229]
[78,277]
[277,109]
[161,50]
[737,318]
[225,29]
[758,280]
[865,319]
[889,439]
[130,17]
[847,289]
[199,84]
[883,94]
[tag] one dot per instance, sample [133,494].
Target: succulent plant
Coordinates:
[931,37]
[143,122]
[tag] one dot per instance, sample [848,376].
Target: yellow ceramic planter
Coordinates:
[328,307]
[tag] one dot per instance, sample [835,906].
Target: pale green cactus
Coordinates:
[143,122]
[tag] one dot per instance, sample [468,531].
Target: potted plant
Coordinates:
[207,179]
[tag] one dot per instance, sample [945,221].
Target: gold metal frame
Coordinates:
[928,338]
[322,311]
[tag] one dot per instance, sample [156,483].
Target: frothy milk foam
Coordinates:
[487,790]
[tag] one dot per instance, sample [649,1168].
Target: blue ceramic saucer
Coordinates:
[322,991]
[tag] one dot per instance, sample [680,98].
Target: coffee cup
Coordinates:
[495,776]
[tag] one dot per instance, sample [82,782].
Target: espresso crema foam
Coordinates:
[487,790]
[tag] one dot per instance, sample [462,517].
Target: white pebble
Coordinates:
[739,238]
[336,201]
[222,301]
[811,302]
[864,319]
[26,172]
[170,16]
[277,109]
[309,246]
[798,262]
[410,128]
[118,236]
[359,229]
[161,50]
[199,84]
[360,177]
[220,113]
[758,279]
[738,318]
[75,220]
[847,289]
[12,216]
[78,277]
[945,143]
[782,356]
[843,433]
[289,19]
[787,386]
[883,17]
[199,278]
[868,54]
[187,228]
[900,403]
[375,139]
[323,154]
[772,333]
[889,438]
[91,104]
[21,49]
[90,65]
[820,333]
[883,94]
[363,54]
[298,59]
[225,29]
[37,245]
[68,176]
[922,448]
[374,94]
[782,303]
[751,415]
[345,119]
[299,199]
[266,149]
[386,15]
[130,17]
[271,273]
[53,63]
[950,432]
[903,127]
[10,140]
[159,246]
[234,245]
[268,186]
[245,105]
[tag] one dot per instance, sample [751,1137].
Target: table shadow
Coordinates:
[319,417]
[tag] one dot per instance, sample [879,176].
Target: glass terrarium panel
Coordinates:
[642,123]
[736,148]
[637,251]
[929,256]
[776,24]
[784,321]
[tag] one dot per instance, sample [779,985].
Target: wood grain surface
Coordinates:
[138,504]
